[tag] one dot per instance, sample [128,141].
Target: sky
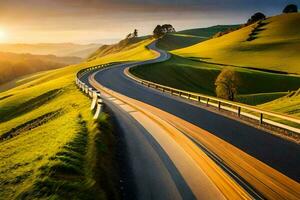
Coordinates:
[107,21]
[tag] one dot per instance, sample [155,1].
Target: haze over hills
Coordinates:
[15,65]
[58,49]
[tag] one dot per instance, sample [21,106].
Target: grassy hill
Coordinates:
[15,65]
[288,104]
[59,49]
[255,86]
[190,37]
[51,148]
[273,44]
[123,45]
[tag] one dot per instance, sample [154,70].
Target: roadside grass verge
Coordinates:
[195,76]
[260,98]
[84,168]
[44,151]
[289,104]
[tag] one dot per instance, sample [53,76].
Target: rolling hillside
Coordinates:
[50,145]
[123,45]
[13,65]
[59,49]
[190,37]
[255,86]
[273,45]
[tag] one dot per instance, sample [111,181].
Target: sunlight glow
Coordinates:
[2,35]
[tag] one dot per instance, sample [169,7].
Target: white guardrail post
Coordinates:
[261,116]
[97,103]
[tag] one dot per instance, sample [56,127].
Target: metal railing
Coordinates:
[291,124]
[97,102]
[262,116]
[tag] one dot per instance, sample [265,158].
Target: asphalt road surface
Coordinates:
[280,154]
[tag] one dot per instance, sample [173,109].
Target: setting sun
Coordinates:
[2,35]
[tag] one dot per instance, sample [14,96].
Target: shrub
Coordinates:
[227,84]
[291,8]
[256,17]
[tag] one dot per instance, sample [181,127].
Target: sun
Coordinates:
[2,35]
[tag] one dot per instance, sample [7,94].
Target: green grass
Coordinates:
[47,149]
[275,47]
[288,104]
[197,76]
[190,37]
[207,32]
[260,98]
[70,174]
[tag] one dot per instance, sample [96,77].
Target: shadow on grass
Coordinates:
[29,105]
[63,176]
[69,173]
[257,29]
[30,125]
[4,97]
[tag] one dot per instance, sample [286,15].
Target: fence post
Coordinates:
[239,111]
[207,101]
[261,118]
[96,96]
[86,89]
[91,92]
[199,98]
[99,108]
[219,105]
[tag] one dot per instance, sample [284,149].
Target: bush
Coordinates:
[160,31]
[227,84]
[291,8]
[256,17]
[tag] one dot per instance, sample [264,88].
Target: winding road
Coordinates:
[177,149]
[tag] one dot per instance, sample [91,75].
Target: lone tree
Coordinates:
[256,17]
[160,31]
[227,84]
[132,35]
[135,33]
[291,8]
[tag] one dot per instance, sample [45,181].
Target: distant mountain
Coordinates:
[15,65]
[57,49]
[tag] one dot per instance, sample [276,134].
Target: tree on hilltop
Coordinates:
[256,17]
[291,8]
[135,33]
[160,31]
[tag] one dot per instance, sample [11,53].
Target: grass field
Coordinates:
[275,45]
[190,37]
[51,148]
[197,76]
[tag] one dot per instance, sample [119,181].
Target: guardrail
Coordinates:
[262,116]
[97,102]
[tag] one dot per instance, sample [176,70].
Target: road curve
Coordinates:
[258,144]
